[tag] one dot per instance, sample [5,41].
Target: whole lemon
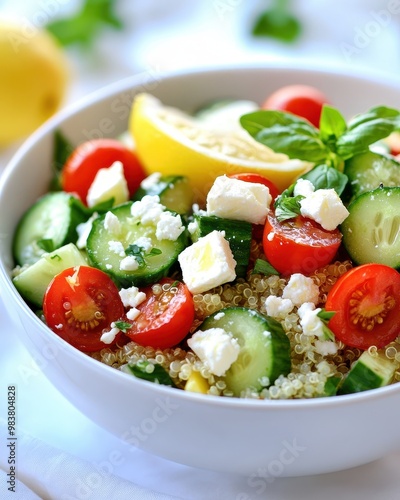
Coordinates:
[33,79]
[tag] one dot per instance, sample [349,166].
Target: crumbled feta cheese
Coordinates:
[309,320]
[169,226]
[133,313]
[129,263]
[219,315]
[112,223]
[325,207]
[131,297]
[60,326]
[109,183]
[83,231]
[207,263]
[116,247]
[326,347]
[278,307]
[151,180]
[303,187]
[238,200]
[300,289]
[216,348]
[148,209]
[193,227]
[144,243]
[109,336]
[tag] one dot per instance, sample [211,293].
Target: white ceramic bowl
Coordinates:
[256,438]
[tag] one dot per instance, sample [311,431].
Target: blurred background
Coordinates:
[101,41]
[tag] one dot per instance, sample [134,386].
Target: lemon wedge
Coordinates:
[171,142]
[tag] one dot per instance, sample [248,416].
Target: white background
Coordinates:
[166,35]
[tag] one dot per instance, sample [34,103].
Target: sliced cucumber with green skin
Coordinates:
[33,281]
[154,263]
[369,170]
[369,372]
[237,233]
[174,191]
[49,224]
[371,233]
[264,347]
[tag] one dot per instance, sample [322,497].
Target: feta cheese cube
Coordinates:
[303,187]
[326,347]
[216,348]
[109,336]
[133,313]
[325,207]
[169,226]
[278,307]
[116,247]
[238,200]
[83,231]
[151,180]
[112,224]
[309,320]
[109,183]
[148,210]
[132,297]
[207,263]
[144,243]
[129,263]
[300,289]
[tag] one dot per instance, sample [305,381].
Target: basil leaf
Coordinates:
[263,267]
[372,114]
[158,375]
[136,251]
[62,148]
[287,207]
[294,142]
[326,177]
[46,244]
[332,124]
[325,315]
[258,120]
[154,251]
[357,139]
[124,326]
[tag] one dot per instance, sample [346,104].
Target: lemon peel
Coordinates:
[34,79]
[171,142]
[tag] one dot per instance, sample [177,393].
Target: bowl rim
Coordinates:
[130,83]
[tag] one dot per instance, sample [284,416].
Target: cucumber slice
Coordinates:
[49,224]
[369,372]
[237,233]
[265,348]
[154,263]
[174,191]
[371,233]
[369,170]
[33,281]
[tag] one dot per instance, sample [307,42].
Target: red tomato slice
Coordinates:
[366,301]
[80,303]
[165,318]
[87,159]
[301,100]
[298,245]
[258,179]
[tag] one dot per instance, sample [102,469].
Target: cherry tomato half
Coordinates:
[298,245]
[87,159]
[165,316]
[258,179]
[366,301]
[79,304]
[301,100]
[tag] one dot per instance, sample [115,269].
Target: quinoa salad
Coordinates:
[271,274]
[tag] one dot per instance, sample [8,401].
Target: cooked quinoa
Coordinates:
[310,369]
